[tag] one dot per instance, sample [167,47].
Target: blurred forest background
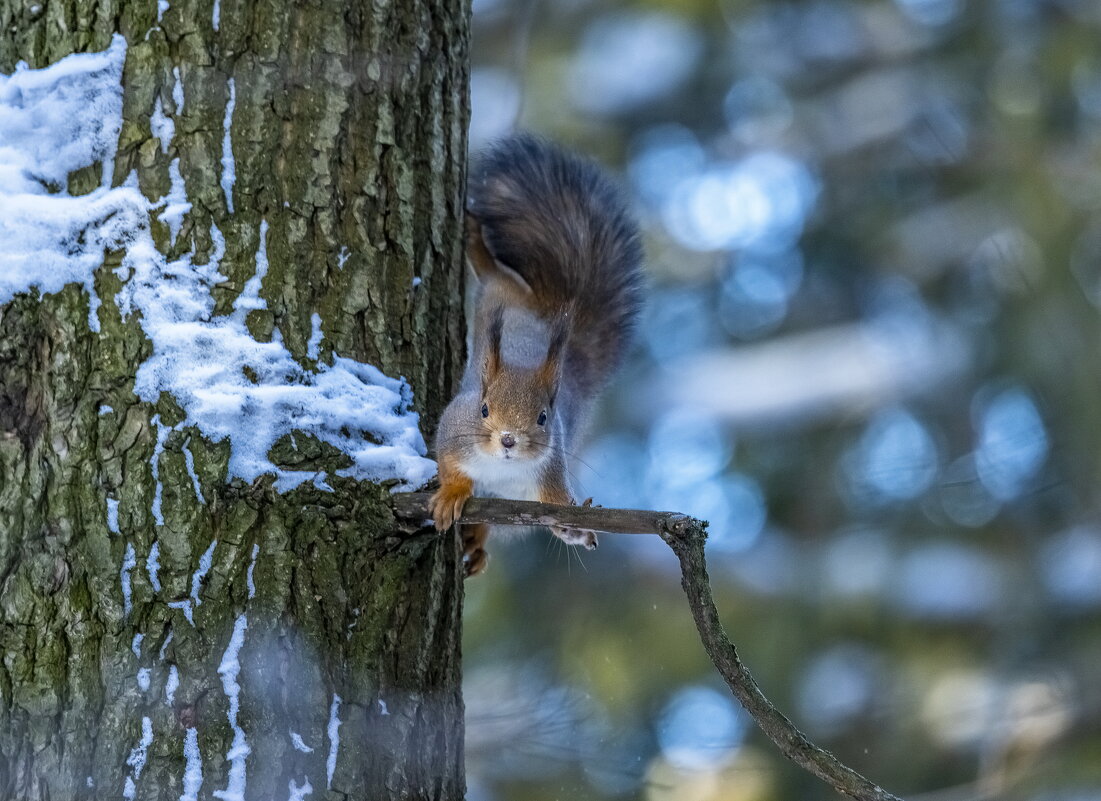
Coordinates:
[870,359]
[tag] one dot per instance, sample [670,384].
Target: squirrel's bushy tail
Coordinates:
[558,221]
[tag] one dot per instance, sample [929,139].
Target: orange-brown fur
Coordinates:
[557,261]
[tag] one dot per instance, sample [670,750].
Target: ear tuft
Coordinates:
[550,371]
[493,346]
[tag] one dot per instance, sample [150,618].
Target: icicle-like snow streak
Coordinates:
[313,347]
[216,17]
[189,462]
[205,561]
[229,168]
[334,739]
[137,758]
[153,566]
[135,644]
[177,91]
[155,466]
[249,299]
[188,606]
[129,562]
[239,750]
[193,768]
[54,121]
[175,203]
[162,126]
[251,568]
[171,684]
[113,515]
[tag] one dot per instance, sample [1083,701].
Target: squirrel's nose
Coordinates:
[507,439]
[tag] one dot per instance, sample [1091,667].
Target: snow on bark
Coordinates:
[239,750]
[229,167]
[334,739]
[56,120]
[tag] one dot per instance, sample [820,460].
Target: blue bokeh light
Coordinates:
[700,728]
[894,460]
[629,59]
[1012,442]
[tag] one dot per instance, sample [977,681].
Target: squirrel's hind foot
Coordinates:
[475,558]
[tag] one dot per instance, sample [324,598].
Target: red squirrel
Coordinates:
[557,259]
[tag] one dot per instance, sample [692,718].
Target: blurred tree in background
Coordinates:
[870,359]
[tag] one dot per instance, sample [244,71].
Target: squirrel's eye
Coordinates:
[543,417]
[485,410]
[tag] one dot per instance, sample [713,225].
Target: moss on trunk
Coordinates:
[348,133]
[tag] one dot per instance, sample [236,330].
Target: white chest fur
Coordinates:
[506,478]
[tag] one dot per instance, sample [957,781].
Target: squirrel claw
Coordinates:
[474,562]
[447,507]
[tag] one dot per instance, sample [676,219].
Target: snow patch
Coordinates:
[177,91]
[313,347]
[105,409]
[143,678]
[137,758]
[162,126]
[155,466]
[300,744]
[201,361]
[54,121]
[334,739]
[153,566]
[186,607]
[342,257]
[239,750]
[298,793]
[193,768]
[251,567]
[164,645]
[67,116]
[189,462]
[171,685]
[135,645]
[129,562]
[205,561]
[113,515]
[229,168]
[217,16]
[175,203]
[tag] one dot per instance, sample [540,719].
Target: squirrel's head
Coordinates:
[517,403]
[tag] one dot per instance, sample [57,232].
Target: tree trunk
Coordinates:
[317,624]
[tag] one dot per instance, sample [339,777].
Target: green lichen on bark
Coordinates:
[349,139]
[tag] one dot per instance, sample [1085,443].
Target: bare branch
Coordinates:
[686,536]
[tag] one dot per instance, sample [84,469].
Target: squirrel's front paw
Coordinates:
[576,536]
[447,505]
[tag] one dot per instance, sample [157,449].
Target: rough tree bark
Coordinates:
[348,129]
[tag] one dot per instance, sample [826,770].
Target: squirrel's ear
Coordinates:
[550,371]
[493,346]
[486,267]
